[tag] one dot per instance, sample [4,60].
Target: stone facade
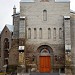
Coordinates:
[55,20]
[6,39]
[42,28]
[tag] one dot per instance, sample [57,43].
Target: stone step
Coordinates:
[44,73]
[38,74]
[23,73]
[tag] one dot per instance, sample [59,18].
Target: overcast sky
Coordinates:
[6,10]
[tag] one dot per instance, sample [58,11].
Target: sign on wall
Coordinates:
[21,47]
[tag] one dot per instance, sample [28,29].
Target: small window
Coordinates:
[6,31]
[54,33]
[40,33]
[35,33]
[6,43]
[45,15]
[60,33]
[49,33]
[29,33]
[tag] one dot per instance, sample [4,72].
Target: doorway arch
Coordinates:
[45,58]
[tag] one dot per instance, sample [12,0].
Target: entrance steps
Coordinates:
[40,74]
[44,73]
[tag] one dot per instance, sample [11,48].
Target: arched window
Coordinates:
[40,33]
[35,33]
[45,15]
[6,52]
[60,33]
[6,43]
[29,33]
[49,33]
[54,33]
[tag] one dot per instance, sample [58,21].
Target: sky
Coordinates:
[6,10]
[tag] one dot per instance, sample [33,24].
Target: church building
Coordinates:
[41,39]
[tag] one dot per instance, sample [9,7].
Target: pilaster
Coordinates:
[67,38]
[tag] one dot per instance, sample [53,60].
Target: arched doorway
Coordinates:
[45,58]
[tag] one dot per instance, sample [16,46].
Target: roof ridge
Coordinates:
[10,27]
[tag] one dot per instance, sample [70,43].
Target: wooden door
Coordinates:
[44,64]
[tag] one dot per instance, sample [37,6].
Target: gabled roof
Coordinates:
[10,27]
